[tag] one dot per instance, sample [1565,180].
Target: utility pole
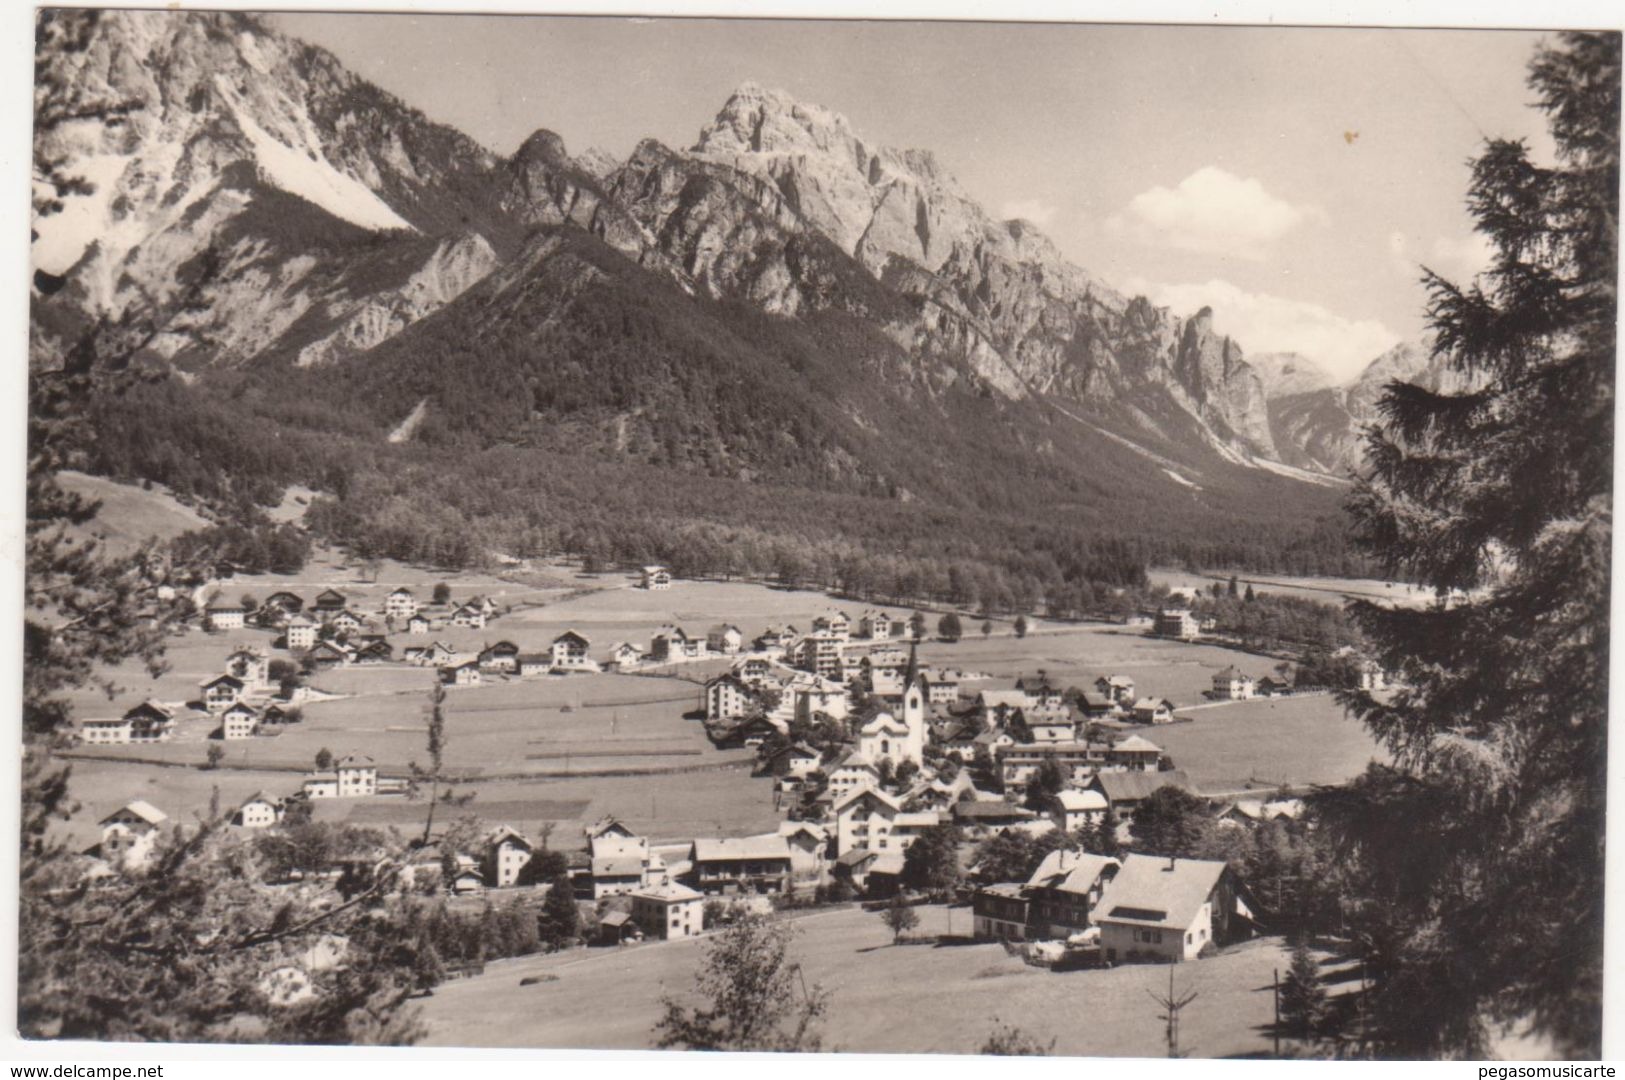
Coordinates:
[1171,1008]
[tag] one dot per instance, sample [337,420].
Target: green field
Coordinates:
[130,514]
[1268,742]
[955,994]
[1334,591]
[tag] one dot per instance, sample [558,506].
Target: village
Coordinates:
[865,747]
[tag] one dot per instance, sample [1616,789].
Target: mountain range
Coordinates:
[780,302]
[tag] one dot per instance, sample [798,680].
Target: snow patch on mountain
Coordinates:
[309,175]
[64,236]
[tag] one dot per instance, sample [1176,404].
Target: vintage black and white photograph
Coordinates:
[826,535]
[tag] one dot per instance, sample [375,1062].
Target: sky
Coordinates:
[1293,179]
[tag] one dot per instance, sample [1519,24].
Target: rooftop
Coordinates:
[1151,890]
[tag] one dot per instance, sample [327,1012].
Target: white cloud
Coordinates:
[1262,323]
[1214,212]
[1467,257]
[1460,259]
[1034,210]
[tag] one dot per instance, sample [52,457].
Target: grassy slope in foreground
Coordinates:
[610,998]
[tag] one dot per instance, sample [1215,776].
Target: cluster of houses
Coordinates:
[242,700]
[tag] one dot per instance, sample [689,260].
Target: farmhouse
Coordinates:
[239,722]
[417,624]
[1118,688]
[812,694]
[223,616]
[221,692]
[150,722]
[724,638]
[259,811]
[759,864]
[299,634]
[129,834]
[400,604]
[669,911]
[620,860]
[796,761]
[501,657]
[251,666]
[875,625]
[1125,790]
[464,674]
[1073,809]
[625,655]
[329,654]
[1169,910]
[809,845]
[656,577]
[469,617]
[507,853]
[346,621]
[290,603]
[1063,892]
[1135,753]
[536,663]
[374,651]
[851,772]
[1150,710]
[776,639]
[330,602]
[835,623]
[727,697]
[105,731]
[668,643]
[1176,623]
[357,776]
[570,652]
[990,817]
[1232,685]
[999,912]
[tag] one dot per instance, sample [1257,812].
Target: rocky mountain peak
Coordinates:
[544,146]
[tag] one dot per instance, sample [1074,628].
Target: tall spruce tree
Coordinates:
[1475,862]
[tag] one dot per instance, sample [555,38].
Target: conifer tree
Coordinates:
[1475,862]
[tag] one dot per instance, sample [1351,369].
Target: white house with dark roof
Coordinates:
[221,615]
[724,638]
[1063,892]
[1164,909]
[507,853]
[469,616]
[357,775]
[299,634]
[875,625]
[222,692]
[250,665]
[104,731]
[1073,809]
[130,833]
[400,603]
[259,811]
[657,578]
[569,651]
[1150,710]
[669,911]
[1232,684]
[240,721]
[150,721]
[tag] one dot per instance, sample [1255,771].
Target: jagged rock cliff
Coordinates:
[342,218]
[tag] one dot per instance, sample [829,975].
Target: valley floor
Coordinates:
[568,750]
